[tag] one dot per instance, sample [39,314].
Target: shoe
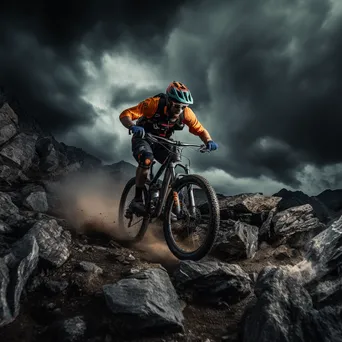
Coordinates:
[173,217]
[137,206]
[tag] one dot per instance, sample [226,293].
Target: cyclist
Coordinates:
[161,115]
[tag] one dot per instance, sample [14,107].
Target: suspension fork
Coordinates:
[192,204]
[176,200]
[177,204]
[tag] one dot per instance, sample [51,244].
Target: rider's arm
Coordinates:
[195,127]
[145,108]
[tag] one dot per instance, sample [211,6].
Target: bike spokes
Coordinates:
[188,225]
[132,222]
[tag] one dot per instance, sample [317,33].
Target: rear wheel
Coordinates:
[194,226]
[132,225]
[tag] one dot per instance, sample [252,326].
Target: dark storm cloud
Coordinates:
[266,76]
[132,94]
[40,50]
[278,80]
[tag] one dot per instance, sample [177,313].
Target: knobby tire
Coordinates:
[214,224]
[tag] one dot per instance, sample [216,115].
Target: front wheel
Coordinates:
[198,218]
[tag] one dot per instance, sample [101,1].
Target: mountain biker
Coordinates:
[161,115]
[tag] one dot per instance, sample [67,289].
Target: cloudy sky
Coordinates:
[266,77]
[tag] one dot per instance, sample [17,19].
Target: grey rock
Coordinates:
[15,269]
[8,123]
[284,312]
[37,201]
[146,301]
[294,226]
[90,267]
[7,207]
[212,281]
[236,240]
[54,242]
[20,150]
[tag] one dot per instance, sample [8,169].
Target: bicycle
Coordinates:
[162,198]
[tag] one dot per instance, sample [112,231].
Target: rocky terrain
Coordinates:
[273,274]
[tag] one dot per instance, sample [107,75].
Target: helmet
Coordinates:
[179,92]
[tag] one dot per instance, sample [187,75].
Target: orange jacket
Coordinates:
[148,108]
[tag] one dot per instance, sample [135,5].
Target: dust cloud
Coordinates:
[90,204]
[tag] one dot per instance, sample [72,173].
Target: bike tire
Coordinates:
[129,185]
[214,225]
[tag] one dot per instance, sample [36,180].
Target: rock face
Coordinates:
[273,274]
[147,301]
[32,154]
[291,199]
[212,282]
[303,302]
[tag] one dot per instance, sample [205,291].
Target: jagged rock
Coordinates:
[302,302]
[324,252]
[7,207]
[284,311]
[5,228]
[15,269]
[10,174]
[8,123]
[294,226]
[20,224]
[37,201]
[212,281]
[250,208]
[327,292]
[146,301]
[20,151]
[236,240]
[54,242]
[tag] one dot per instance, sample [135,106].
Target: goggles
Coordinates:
[178,105]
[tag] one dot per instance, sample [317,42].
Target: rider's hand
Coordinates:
[211,145]
[138,131]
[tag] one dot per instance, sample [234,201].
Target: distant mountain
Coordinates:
[121,170]
[326,205]
[331,198]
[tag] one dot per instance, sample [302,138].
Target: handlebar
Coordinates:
[155,138]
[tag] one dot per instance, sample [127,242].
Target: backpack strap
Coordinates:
[162,103]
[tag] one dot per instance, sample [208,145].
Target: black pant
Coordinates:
[141,149]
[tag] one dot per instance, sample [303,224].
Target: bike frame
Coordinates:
[170,177]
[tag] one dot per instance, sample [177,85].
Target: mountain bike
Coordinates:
[173,199]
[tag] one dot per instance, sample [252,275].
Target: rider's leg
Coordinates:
[142,153]
[140,181]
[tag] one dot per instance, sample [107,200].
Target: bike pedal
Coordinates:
[128,214]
